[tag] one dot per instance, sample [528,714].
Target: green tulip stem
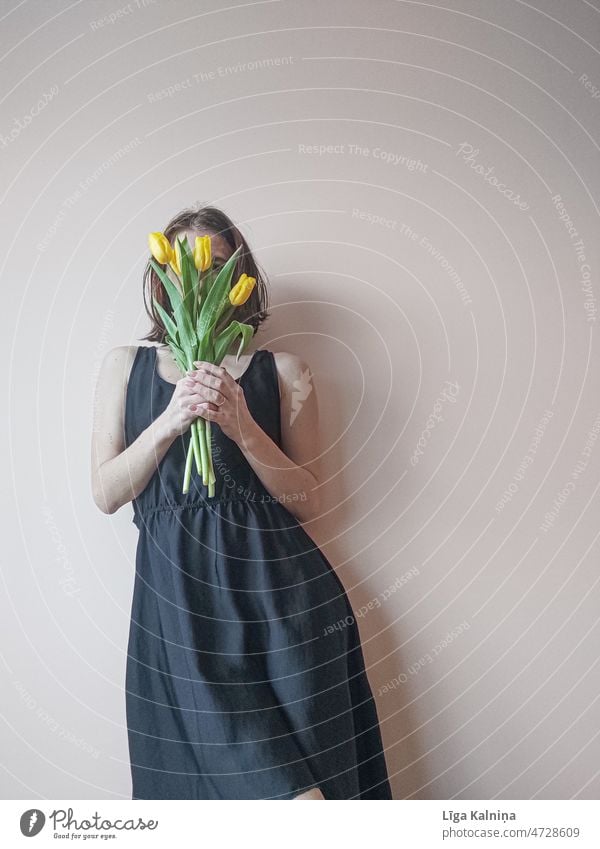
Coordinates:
[211,471]
[188,467]
[197,445]
[204,454]
[199,440]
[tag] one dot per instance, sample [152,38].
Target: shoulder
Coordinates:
[116,365]
[120,357]
[290,367]
[293,372]
[121,354]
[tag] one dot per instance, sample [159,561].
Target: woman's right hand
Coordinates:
[178,416]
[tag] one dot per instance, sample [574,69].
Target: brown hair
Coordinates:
[210,218]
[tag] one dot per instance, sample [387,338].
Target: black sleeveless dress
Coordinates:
[245,676]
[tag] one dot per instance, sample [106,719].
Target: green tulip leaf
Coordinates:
[227,337]
[168,322]
[217,297]
[188,273]
[171,289]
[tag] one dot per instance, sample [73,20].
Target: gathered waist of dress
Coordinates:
[199,503]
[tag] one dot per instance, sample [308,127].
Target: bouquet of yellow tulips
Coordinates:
[201,305]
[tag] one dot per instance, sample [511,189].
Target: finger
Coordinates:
[211,367]
[208,372]
[200,377]
[208,411]
[205,394]
[201,406]
[188,386]
[216,388]
[200,398]
[193,385]
[198,364]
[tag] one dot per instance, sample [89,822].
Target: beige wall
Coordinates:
[451,330]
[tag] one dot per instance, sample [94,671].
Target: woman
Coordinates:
[245,675]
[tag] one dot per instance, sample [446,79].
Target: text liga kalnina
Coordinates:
[457,816]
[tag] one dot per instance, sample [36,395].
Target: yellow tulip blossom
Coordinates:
[202,253]
[160,247]
[242,290]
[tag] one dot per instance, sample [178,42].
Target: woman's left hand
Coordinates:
[219,398]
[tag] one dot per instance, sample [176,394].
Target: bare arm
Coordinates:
[120,474]
[294,468]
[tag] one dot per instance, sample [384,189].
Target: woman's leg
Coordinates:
[313,793]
